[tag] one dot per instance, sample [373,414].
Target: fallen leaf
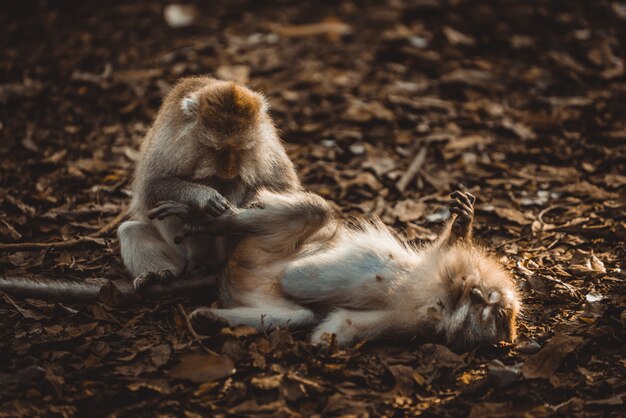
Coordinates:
[160,386]
[200,368]
[359,111]
[237,73]
[586,189]
[512,215]
[330,27]
[543,364]
[408,210]
[240,331]
[503,375]
[457,38]
[266,382]
[26,313]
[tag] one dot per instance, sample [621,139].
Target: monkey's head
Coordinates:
[229,120]
[481,303]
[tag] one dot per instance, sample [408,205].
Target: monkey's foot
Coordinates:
[338,323]
[205,322]
[144,280]
[462,205]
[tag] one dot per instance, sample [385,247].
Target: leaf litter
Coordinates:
[385,107]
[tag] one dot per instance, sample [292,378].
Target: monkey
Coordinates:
[211,146]
[298,265]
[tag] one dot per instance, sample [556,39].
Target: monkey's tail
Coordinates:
[70,291]
[61,290]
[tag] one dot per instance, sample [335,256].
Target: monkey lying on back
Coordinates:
[299,266]
[212,144]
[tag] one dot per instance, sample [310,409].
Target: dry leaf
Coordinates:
[330,27]
[512,215]
[408,210]
[200,368]
[543,364]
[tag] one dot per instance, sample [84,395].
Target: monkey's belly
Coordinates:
[342,278]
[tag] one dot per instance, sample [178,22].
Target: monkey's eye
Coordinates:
[476,296]
[494,297]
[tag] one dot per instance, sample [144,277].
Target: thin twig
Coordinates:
[512,241]
[413,169]
[112,224]
[549,209]
[192,332]
[92,238]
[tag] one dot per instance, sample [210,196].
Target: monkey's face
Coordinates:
[228,153]
[229,163]
[483,302]
[227,120]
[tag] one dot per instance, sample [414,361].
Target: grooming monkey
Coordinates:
[212,146]
[297,266]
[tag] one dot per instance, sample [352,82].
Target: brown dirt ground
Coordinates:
[521,102]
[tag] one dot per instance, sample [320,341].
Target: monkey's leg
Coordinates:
[285,220]
[146,256]
[351,326]
[260,318]
[282,220]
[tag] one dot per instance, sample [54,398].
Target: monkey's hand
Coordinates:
[213,203]
[171,208]
[462,205]
[194,221]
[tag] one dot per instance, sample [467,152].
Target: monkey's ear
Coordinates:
[189,104]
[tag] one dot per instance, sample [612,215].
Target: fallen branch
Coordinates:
[92,238]
[192,332]
[413,169]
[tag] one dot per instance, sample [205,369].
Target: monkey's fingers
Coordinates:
[466,198]
[215,208]
[167,209]
[181,213]
[458,205]
[187,231]
[218,205]
[463,216]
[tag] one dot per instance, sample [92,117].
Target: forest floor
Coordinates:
[523,103]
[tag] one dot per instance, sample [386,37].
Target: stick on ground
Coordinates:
[413,169]
[92,238]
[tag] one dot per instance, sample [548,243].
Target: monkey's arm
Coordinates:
[196,195]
